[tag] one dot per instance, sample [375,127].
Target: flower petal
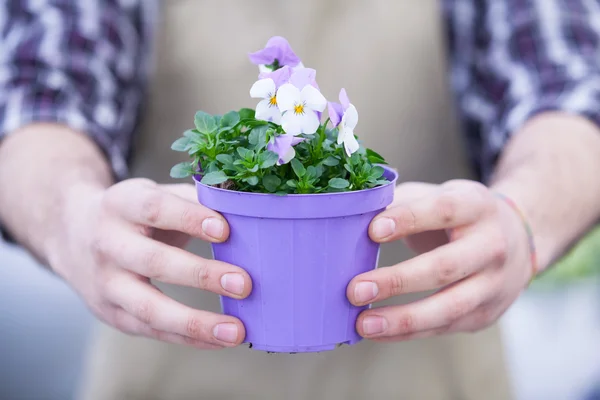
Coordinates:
[286,55]
[263,89]
[350,143]
[295,124]
[304,76]
[287,156]
[267,112]
[280,76]
[335,113]
[287,96]
[344,100]
[264,56]
[350,118]
[313,98]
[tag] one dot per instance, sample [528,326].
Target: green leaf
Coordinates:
[338,183]
[230,119]
[212,167]
[191,133]
[372,153]
[311,172]
[376,173]
[182,170]
[271,182]
[292,183]
[365,169]
[254,168]
[319,171]
[181,144]
[281,193]
[205,123]
[258,137]
[218,119]
[246,113]
[225,158]
[382,182]
[349,168]
[252,181]
[268,159]
[331,161]
[242,151]
[214,178]
[298,168]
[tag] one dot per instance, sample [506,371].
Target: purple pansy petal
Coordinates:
[280,77]
[277,48]
[264,56]
[281,145]
[303,77]
[335,113]
[286,55]
[344,100]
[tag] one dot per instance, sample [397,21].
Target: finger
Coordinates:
[183,190]
[150,205]
[168,264]
[162,313]
[414,336]
[447,208]
[433,270]
[128,324]
[434,312]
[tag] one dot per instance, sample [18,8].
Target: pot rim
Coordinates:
[388,171]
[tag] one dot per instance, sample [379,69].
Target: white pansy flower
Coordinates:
[300,108]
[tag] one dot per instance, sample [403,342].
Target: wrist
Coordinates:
[520,232]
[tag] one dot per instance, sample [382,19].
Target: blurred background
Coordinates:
[551,334]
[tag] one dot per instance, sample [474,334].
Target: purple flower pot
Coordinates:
[301,252]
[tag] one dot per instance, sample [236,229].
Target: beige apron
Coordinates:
[389,55]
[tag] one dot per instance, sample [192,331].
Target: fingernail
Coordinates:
[374,325]
[213,227]
[226,332]
[233,283]
[383,227]
[365,292]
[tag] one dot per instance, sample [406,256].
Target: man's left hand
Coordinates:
[472,247]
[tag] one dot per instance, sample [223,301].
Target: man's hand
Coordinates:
[113,241]
[473,247]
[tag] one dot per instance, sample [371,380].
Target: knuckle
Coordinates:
[446,208]
[195,328]
[201,276]
[406,219]
[151,208]
[153,269]
[457,308]
[447,271]
[99,249]
[396,284]
[189,223]
[498,249]
[144,311]
[406,324]
[153,262]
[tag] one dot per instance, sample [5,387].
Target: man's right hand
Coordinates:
[113,241]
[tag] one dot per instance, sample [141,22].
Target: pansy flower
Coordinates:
[277,53]
[344,116]
[266,89]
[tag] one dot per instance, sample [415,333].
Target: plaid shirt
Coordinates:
[85,64]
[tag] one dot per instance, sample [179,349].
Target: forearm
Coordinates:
[41,167]
[550,169]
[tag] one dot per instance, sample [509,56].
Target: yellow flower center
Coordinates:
[273,101]
[299,109]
